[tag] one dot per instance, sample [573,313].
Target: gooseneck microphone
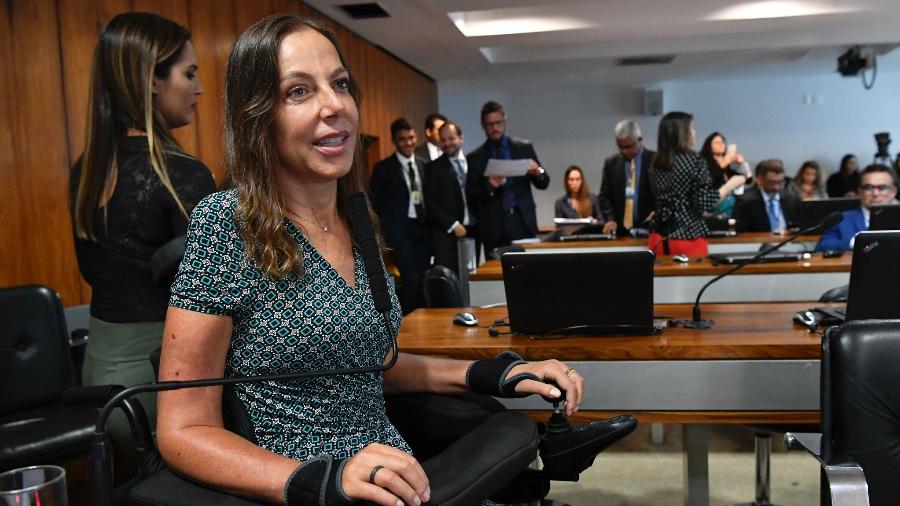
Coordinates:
[697,322]
[364,237]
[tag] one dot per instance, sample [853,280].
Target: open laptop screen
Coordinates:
[884,217]
[875,276]
[579,292]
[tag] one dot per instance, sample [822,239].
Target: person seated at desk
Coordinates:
[625,198]
[878,185]
[262,292]
[845,181]
[724,163]
[807,185]
[578,202]
[767,207]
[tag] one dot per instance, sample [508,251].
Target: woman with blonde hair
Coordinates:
[807,184]
[132,190]
[273,283]
[578,202]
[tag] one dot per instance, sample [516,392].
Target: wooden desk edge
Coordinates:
[693,417]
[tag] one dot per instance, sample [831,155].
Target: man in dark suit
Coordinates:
[505,206]
[430,150]
[767,207]
[398,198]
[626,182]
[449,212]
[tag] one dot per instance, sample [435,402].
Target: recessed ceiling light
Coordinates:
[498,22]
[768,9]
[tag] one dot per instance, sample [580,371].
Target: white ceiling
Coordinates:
[421,33]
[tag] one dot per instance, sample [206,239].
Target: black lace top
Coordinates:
[140,217]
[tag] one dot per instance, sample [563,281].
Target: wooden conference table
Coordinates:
[752,366]
[675,282]
[746,241]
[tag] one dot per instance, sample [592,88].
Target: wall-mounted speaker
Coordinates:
[653,102]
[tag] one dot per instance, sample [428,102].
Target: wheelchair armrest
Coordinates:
[845,477]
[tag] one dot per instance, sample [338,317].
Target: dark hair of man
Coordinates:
[134,48]
[772,165]
[251,156]
[810,164]
[581,200]
[399,125]
[673,138]
[455,125]
[431,118]
[491,107]
[846,160]
[878,168]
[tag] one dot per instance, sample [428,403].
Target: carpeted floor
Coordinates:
[638,473]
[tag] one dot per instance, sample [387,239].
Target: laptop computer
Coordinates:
[812,212]
[588,293]
[884,217]
[578,232]
[874,277]
[739,258]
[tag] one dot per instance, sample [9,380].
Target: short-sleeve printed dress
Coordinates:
[312,322]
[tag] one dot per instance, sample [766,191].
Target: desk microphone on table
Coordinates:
[697,322]
[364,237]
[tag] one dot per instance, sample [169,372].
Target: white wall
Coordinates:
[766,117]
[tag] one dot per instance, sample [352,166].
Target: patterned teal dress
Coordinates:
[312,322]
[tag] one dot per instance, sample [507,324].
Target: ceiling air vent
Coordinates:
[645,60]
[365,11]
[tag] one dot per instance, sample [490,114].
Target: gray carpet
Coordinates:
[637,473]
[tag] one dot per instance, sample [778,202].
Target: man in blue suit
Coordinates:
[877,186]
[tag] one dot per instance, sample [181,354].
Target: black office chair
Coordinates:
[859,446]
[442,288]
[38,423]
[837,294]
[444,433]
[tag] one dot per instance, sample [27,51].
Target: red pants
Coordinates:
[690,247]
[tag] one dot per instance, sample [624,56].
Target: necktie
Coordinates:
[414,192]
[628,219]
[774,214]
[460,174]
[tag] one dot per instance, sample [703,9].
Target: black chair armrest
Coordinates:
[96,396]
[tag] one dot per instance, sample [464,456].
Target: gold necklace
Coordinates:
[307,220]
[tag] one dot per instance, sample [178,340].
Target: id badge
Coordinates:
[629,192]
[416,197]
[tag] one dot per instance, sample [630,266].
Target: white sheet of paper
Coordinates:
[508,168]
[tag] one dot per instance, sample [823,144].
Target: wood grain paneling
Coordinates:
[43,102]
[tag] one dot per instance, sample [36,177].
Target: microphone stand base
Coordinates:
[697,324]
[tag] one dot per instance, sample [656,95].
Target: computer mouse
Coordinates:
[806,317]
[682,259]
[465,319]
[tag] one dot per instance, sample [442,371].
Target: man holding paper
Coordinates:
[503,170]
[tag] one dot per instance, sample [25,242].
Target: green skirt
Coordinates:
[119,354]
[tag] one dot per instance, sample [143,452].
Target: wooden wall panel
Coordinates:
[42,243]
[43,103]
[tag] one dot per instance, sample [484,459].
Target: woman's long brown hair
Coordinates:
[581,200]
[251,156]
[134,48]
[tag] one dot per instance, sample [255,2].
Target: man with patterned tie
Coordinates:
[505,205]
[449,210]
[397,195]
[626,199]
[767,207]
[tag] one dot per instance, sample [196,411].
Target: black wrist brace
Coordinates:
[489,376]
[317,481]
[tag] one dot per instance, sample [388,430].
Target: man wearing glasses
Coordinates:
[505,205]
[767,207]
[877,186]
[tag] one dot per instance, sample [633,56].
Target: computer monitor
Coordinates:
[884,217]
[579,292]
[875,276]
[812,212]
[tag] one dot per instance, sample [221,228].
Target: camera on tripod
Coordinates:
[883,156]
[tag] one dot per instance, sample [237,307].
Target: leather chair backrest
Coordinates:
[35,366]
[442,288]
[861,402]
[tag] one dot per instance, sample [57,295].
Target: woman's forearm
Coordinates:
[416,373]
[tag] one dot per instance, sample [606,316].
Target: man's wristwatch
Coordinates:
[541,171]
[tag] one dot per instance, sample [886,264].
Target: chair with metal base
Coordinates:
[859,446]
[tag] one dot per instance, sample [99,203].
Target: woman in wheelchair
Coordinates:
[272,283]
